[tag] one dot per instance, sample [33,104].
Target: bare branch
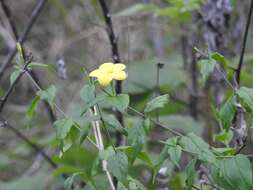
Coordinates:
[116,59]
[36,12]
[240,129]
[9,17]
[8,92]
[238,70]
[39,150]
[8,14]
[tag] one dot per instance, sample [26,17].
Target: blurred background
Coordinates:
[156,40]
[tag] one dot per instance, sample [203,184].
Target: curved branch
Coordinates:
[35,14]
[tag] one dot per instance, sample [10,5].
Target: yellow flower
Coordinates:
[108,72]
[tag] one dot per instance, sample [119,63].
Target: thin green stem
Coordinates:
[105,128]
[155,122]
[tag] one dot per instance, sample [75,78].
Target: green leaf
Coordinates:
[157,102]
[224,151]
[143,156]
[97,100]
[196,146]
[69,182]
[34,64]
[14,76]
[175,154]
[174,150]
[77,160]
[87,93]
[84,131]
[177,181]
[219,58]
[160,160]
[206,67]
[120,186]
[63,127]
[118,165]
[112,122]
[89,186]
[136,138]
[191,172]
[95,166]
[107,153]
[246,95]
[227,112]
[176,12]
[19,48]
[20,57]
[120,102]
[48,94]
[233,173]
[134,184]
[33,106]
[224,137]
[69,140]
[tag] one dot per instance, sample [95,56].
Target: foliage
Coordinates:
[159,119]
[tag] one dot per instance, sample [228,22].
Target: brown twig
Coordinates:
[174,132]
[193,86]
[116,59]
[245,37]
[46,104]
[242,136]
[159,66]
[36,12]
[9,17]
[11,87]
[39,150]
[184,45]
[8,14]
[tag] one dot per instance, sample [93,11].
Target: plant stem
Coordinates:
[24,138]
[100,145]
[174,132]
[12,86]
[35,14]
[9,17]
[106,130]
[245,37]
[39,88]
[238,74]
[116,59]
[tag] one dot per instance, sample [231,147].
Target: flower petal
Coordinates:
[95,73]
[104,79]
[107,67]
[119,67]
[121,75]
